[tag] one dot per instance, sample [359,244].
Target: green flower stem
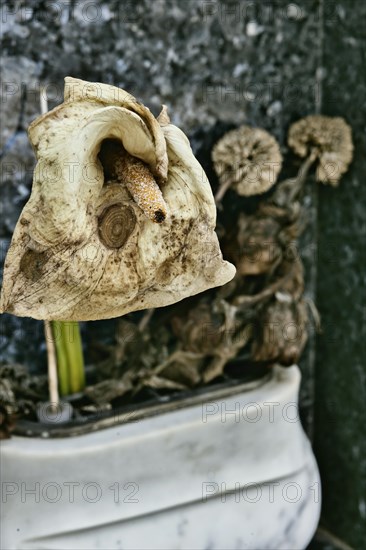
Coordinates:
[70,362]
[72,343]
[62,367]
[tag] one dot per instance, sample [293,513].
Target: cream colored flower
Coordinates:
[248,160]
[329,139]
[121,215]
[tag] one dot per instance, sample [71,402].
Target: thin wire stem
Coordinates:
[52,365]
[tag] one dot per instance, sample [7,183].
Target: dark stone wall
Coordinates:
[340,374]
[261,62]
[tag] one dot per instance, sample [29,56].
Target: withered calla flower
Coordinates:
[248,160]
[282,333]
[202,331]
[121,215]
[256,249]
[327,139]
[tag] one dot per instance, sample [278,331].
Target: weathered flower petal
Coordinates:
[164,118]
[186,166]
[83,249]
[80,90]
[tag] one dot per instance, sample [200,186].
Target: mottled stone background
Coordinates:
[217,64]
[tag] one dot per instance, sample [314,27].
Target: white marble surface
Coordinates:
[234,473]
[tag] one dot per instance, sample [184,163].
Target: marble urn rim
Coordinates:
[136,412]
[168,461]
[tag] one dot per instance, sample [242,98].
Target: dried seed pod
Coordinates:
[247,159]
[329,139]
[138,178]
[145,191]
[89,248]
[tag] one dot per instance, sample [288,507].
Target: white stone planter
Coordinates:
[234,471]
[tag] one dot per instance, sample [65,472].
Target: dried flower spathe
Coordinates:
[111,230]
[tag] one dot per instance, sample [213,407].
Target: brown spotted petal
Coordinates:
[121,215]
